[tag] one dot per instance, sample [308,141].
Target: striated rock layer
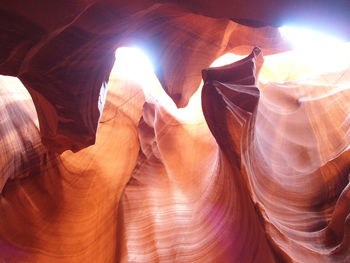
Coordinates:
[63,52]
[252,166]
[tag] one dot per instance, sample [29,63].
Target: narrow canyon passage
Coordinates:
[209,140]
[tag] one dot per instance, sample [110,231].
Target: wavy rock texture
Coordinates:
[67,210]
[186,201]
[65,60]
[253,168]
[307,180]
[23,152]
[69,93]
[294,150]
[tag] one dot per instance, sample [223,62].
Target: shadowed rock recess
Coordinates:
[248,162]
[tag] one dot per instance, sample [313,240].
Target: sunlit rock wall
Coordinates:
[253,168]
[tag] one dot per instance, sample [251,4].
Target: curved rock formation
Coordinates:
[252,165]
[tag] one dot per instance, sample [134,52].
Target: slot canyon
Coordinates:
[174,131]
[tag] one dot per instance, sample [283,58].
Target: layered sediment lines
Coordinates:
[253,168]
